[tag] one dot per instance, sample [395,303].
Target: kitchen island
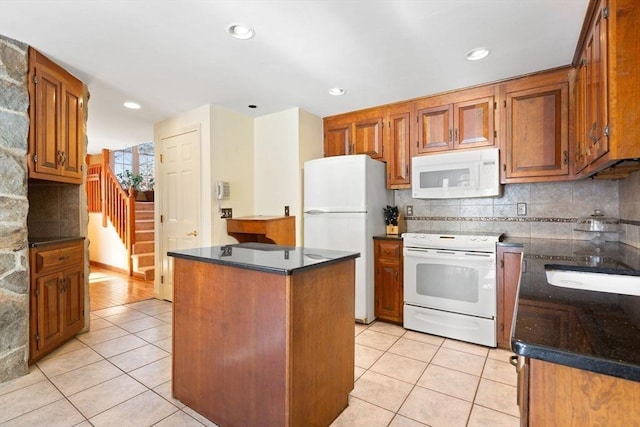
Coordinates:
[579,350]
[263,334]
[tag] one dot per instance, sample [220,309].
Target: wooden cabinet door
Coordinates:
[435,129]
[398,147]
[73,301]
[56,128]
[367,137]
[596,87]
[72,135]
[509,270]
[337,138]
[388,281]
[537,132]
[47,123]
[387,291]
[582,145]
[49,324]
[474,123]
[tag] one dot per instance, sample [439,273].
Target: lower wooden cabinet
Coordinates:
[550,394]
[56,296]
[508,272]
[389,292]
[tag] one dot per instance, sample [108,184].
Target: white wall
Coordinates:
[231,160]
[283,141]
[105,246]
[311,147]
[261,159]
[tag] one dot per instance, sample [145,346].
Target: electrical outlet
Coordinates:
[409,210]
[522,209]
[286,211]
[226,213]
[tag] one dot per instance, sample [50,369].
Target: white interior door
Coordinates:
[180,206]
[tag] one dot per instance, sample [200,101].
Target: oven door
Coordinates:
[450,280]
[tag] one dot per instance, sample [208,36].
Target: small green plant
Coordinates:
[129,180]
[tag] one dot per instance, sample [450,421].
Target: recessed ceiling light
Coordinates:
[337,91]
[132,105]
[241,32]
[478,53]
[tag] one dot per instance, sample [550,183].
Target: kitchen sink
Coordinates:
[626,282]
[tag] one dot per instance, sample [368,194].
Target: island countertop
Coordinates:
[264,257]
[594,331]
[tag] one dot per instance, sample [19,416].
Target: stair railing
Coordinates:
[106,195]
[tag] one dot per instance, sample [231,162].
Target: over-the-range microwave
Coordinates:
[458,174]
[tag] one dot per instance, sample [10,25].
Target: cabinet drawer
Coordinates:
[54,259]
[388,249]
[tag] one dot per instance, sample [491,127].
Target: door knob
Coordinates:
[194,233]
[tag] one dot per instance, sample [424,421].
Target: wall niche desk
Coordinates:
[279,230]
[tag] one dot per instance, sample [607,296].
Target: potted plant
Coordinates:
[147,188]
[130,181]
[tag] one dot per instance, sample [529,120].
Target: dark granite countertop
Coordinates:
[594,331]
[265,257]
[36,242]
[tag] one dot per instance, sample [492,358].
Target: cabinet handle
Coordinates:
[194,233]
[396,274]
[592,137]
[61,157]
[565,157]
[450,135]
[63,258]
[455,135]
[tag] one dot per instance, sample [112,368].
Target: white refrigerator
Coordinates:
[344,198]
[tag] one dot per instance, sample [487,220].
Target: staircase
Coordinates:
[142,251]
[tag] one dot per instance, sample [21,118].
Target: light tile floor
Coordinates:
[119,374]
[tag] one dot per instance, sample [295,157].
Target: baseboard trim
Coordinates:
[109,267]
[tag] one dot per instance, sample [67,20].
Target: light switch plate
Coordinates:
[522,209]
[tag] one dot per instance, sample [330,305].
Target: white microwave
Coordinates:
[454,175]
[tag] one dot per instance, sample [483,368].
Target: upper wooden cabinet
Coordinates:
[397,143]
[56,129]
[535,126]
[360,132]
[607,86]
[463,119]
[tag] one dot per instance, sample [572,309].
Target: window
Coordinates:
[138,160]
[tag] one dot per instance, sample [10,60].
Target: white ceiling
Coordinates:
[173,56]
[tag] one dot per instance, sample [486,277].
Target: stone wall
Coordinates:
[14,274]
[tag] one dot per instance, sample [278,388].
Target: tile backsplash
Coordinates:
[547,210]
[53,210]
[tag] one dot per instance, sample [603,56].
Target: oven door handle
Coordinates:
[439,254]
